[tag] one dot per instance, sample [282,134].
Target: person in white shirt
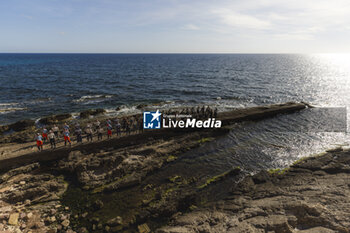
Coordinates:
[100,133]
[88,132]
[52,139]
[55,130]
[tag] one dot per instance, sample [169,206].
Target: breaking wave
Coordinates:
[92,98]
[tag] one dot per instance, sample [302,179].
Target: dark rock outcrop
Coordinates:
[92,112]
[55,118]
[22,125]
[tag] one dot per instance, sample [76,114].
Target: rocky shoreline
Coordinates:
[311,196]
[131,184]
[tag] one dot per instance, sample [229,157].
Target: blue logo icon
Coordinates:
[151,120]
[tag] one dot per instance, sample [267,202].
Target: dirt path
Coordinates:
[12,150]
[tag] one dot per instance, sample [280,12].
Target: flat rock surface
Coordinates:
[311,196]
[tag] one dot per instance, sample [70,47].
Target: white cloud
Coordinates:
[235,19]
[232,25]
[191,27]
[293,36]
[280,19]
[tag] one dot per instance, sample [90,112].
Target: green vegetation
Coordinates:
[278,171]
[299,161]
[219,177]
[168,191]
[171,158]
[175,179]
[203,140]
[102,187]
[212,180]
[316,155]
[99,189]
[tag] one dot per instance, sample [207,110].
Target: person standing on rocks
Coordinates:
[207,112]
[215,112]
[39,142]
[55,130]
[99,133]
[109,122]
[65,126]
[193,111]
[45,134]
[202,112]
[66,137]
[52,139]
[131,123]
[135,126]
[124,124]
[97,124]
[118,129]
[88,132]
[116,122]
[127,128]
[109,129]
[78,132]
[140,125]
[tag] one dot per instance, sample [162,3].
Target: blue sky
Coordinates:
[175,26]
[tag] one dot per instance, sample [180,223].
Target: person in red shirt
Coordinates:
[66,137]
[39,142]
[45,134]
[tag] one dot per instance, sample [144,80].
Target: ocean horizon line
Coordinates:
[170,53]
